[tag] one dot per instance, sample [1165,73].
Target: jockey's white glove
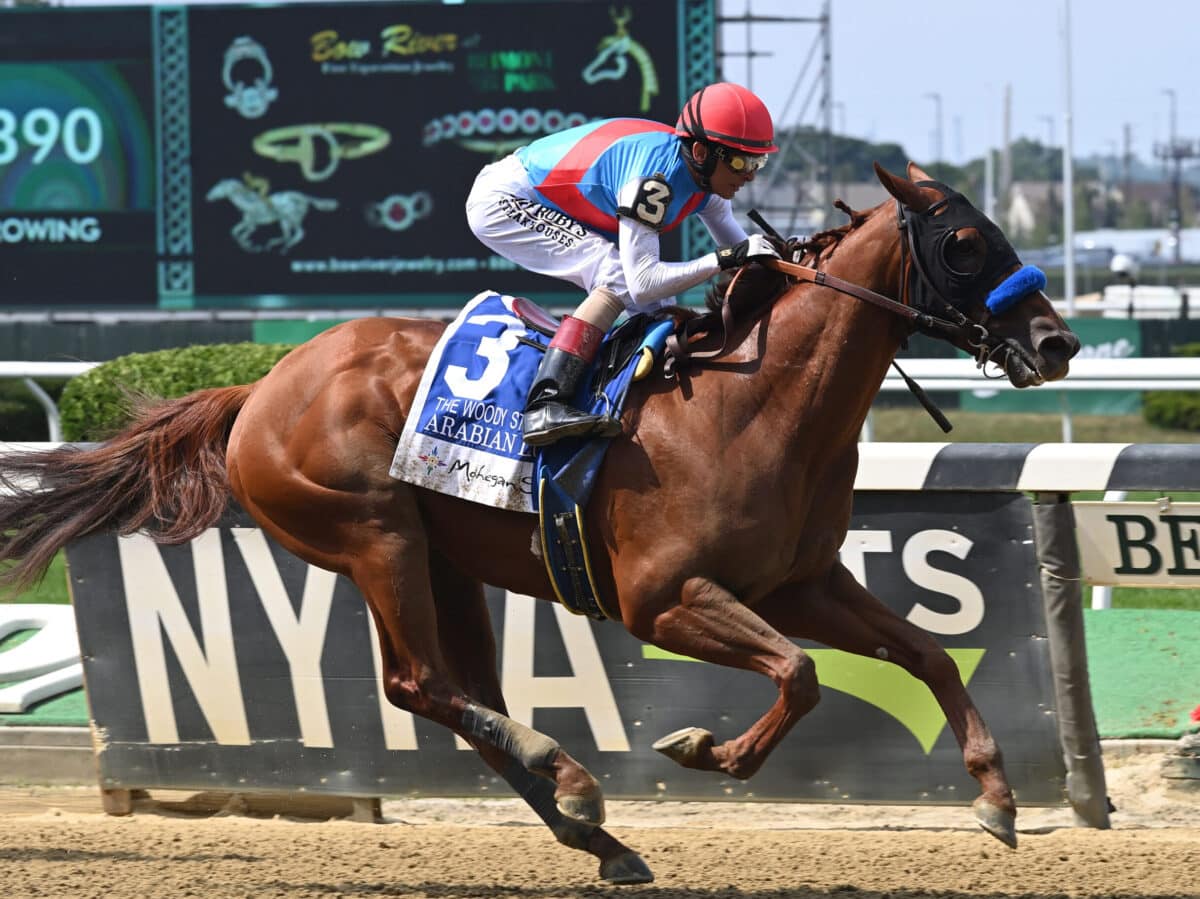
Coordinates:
[754,248]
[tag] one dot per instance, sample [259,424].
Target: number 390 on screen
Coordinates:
[78,133]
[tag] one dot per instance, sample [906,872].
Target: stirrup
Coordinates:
[556,421]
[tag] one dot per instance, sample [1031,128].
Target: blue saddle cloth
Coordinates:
[464,437]
[566,470]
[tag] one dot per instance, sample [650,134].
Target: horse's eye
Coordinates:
[965,252]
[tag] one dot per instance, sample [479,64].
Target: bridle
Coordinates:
[922,303]
[918,291]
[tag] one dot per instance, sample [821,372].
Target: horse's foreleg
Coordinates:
[464,625]
[416,686]
[393,573]
[844,615]
[618,863]
[578,793]
[712,625]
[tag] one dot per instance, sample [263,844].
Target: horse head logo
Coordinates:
[611,60]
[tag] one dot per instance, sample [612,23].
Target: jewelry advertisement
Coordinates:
[332,146]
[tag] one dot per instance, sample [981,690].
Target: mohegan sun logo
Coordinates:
[432,461]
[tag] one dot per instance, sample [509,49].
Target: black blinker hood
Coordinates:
[932,233]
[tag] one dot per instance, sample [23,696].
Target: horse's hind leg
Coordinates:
[712,625]
[464,626]
[393,573]
[844,615]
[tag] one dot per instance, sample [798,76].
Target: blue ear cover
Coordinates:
[1016,287]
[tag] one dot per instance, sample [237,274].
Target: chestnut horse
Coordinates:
[716,519]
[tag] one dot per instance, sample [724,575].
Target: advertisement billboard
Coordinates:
[1140,543]
[333,145]
[77,158]
[207,155]
[229,663]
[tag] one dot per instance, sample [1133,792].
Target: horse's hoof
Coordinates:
[627,867]
[685,745]
[587,808]
[999,822]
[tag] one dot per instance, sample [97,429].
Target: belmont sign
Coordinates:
[1150,544]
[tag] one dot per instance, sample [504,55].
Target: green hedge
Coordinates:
[1175,409]
[96,404]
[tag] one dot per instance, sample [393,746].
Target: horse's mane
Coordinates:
[758,285]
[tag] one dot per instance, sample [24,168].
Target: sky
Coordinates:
[888,56]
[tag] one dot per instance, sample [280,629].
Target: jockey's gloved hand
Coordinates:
[790,249]
[754,248]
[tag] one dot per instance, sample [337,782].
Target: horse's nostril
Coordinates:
[1058,349]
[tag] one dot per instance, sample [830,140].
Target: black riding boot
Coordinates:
[549,415]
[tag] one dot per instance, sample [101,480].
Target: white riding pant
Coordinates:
[506,215]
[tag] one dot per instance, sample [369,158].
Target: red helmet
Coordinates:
[728,114]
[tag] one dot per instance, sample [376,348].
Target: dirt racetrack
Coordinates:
[54,844]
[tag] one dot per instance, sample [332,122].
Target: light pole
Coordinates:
[1068,165]
[1170,92]
[1173,155]
[937,125]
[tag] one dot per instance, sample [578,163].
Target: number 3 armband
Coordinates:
[647,201]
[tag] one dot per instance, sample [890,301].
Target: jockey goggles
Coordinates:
[741,163]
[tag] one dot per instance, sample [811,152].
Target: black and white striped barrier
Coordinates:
[1029,467]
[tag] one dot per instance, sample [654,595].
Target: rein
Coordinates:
[677,345]
[914,279]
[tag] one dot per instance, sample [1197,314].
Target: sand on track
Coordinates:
[55,842]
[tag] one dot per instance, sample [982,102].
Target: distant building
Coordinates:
[1143,244]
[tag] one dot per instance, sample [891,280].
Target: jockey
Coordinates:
[588,204]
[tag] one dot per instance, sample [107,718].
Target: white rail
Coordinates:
[1127,373]
[27,371]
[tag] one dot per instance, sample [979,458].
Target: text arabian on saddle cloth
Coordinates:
[463,436]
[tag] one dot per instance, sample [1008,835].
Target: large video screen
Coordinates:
[77,162]
[333,146]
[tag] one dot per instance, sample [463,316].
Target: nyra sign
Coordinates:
[227,663]
[1150,544]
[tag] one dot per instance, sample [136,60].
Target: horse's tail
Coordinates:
[166,471]
[323,204]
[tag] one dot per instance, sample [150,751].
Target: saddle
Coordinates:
[636,335]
